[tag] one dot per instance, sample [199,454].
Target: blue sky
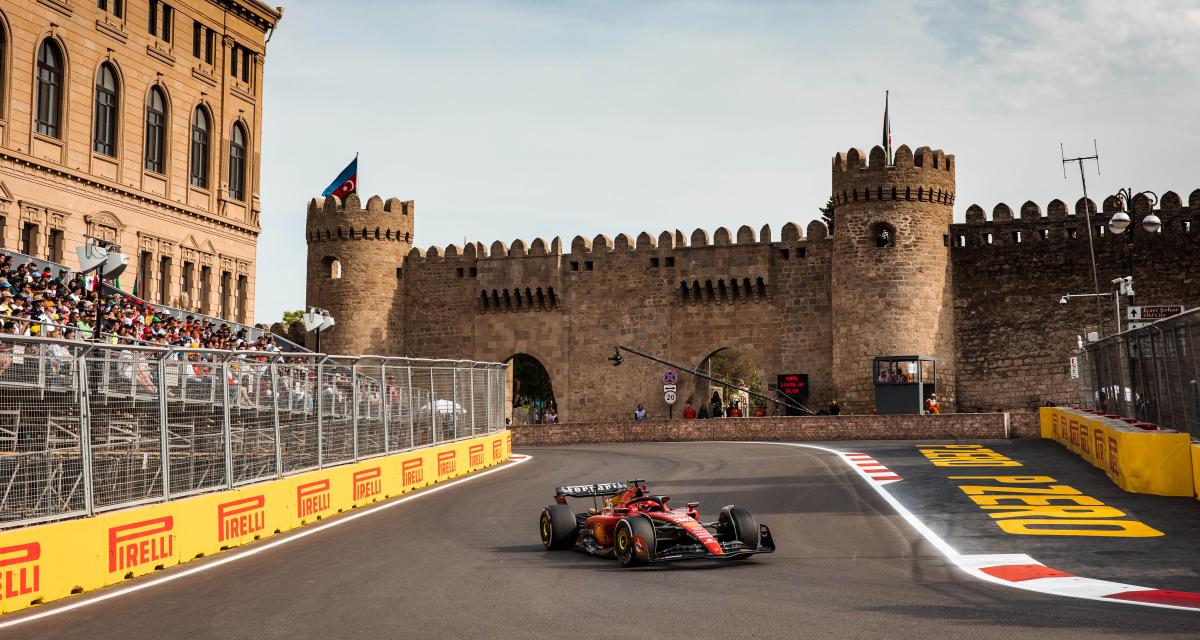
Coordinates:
[537,119]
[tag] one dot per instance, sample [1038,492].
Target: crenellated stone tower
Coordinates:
[355,256]
[894,299]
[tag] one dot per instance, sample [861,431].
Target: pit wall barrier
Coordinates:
[46,562]
[1155,461]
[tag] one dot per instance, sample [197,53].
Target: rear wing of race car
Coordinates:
[592,490]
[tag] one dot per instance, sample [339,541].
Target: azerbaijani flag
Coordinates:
[887,129]
[346,183]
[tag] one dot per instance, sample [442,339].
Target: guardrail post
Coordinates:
[164,431]
[85,431]
[320,413]
[354,410]
[228,426]
[275,412]
[471,372]
[384,406]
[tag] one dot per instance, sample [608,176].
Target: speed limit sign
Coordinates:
[670,397]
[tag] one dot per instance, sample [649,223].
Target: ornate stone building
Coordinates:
[897,277]
[139,122]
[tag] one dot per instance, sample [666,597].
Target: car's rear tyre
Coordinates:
[558,527]
[625,541]
[741,526]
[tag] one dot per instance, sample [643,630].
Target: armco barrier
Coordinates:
[50,561]
[1138,460]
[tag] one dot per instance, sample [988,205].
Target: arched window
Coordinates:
[199,156]
[334,266]
[104,130]
[883,235]
[237,163]
[156,123]
[49,89]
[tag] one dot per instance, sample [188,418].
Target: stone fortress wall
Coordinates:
[805,301]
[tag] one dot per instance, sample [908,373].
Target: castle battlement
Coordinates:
[1060,223]
[331,220]
[924,176]
[601,245]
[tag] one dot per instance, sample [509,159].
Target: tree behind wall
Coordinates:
[827,214]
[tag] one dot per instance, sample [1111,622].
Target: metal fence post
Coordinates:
[85,432]
[164,431]
[354,408]
[320,413]
[454,406]
[412,434]
[228,426]
[471,373]
[432,406]
[385,406]
[275,412]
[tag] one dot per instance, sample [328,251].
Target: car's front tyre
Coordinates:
[558,527]
[625,541]
[741,526]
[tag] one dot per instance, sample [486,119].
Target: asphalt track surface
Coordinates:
[466,562]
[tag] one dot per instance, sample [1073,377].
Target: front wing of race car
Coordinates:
[731,549]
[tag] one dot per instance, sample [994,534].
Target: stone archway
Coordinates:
[529,392]
[740,369]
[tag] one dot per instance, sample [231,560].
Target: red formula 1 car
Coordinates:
[638,527]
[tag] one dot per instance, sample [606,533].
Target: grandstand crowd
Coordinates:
[37,302]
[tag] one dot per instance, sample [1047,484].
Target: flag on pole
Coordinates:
[135,286]
[346,183]
[887,129]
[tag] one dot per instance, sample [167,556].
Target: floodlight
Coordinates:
[327,322]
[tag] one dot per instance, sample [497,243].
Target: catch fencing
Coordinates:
[86,428]
[1149,374]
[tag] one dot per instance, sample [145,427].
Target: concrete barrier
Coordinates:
[1156,461]
[956,426]
[50,561]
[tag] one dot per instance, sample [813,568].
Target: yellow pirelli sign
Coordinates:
[1137,460]
[50,561]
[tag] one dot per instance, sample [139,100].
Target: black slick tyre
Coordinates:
[741,525]
[624,541]
[558,527]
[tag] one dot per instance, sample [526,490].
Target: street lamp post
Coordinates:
[1121,220]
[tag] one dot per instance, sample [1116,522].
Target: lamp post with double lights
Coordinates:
[1121,220]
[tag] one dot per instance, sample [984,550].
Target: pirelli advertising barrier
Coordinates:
[46,562]
[1138,460]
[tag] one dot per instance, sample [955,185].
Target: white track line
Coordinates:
[227,557]
[1071,587]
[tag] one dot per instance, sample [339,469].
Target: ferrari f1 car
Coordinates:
[638,527]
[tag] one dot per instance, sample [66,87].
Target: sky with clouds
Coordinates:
[542,119]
